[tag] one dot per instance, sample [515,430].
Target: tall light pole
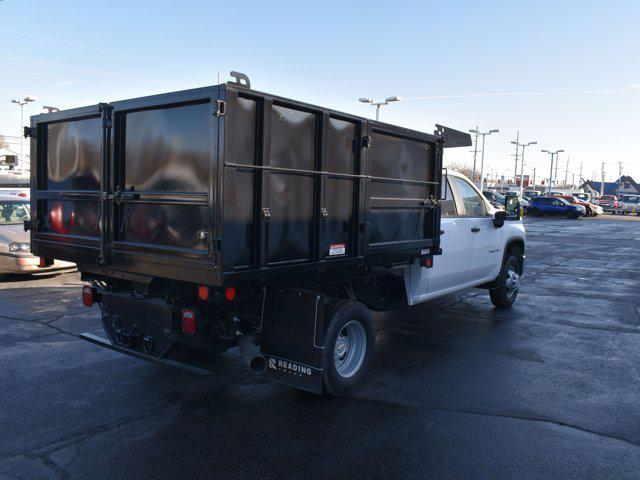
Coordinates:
[378,105]
[551,171]
[475,152]
[22,103]
[484,135]
[522,166]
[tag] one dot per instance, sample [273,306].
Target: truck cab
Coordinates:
[474,247]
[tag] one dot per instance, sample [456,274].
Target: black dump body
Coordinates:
[224,184]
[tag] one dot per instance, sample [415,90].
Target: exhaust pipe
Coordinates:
[251,354]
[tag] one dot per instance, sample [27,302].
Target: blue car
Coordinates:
[555,206]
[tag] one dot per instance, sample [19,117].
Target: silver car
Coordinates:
[15,255]
[630,204]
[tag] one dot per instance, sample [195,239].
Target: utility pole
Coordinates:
[566,173]
[602,183]
[534,177]
[555,175]
[619,177]
[515,172]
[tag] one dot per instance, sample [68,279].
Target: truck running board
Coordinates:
[103,342]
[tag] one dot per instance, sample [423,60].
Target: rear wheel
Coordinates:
[350,340]
[505,294]
[536,212]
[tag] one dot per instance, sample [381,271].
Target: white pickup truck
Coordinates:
[477,250]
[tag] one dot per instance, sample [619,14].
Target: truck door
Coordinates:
[484,247]
[161,198]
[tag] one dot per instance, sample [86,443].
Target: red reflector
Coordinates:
[87,295]
[203,292]
[427,263]
[23,195]
[43,263]
[230,293]
[188,319]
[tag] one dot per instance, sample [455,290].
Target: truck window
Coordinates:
[448,205]
[473,203]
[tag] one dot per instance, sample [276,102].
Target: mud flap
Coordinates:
[292,337]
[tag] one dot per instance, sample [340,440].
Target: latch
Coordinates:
[30,132]
[221,108]
[366,142]
[323,213]
[266,213]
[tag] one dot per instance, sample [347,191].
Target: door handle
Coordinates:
[475,229]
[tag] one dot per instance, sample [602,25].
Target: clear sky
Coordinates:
[565,74]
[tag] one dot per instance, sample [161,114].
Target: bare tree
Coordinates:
[462,168]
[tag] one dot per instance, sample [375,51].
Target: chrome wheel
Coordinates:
[350,349]
[512,282]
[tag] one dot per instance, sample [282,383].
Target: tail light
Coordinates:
[230,293]
[87,296]
[188,321]
[203,293]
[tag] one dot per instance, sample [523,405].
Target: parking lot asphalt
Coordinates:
[548,389]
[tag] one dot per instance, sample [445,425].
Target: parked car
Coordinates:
[15,256]
[591,210]
[531,193]
[555,206]
[609,203]
[496,199]
[630,204]
[585,197]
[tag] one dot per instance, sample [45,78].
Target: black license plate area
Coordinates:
[141,324]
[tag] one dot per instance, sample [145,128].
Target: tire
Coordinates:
[350,340]
[505,294]
[536,212]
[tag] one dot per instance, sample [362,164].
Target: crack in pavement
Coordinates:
[507,416]
[43,324]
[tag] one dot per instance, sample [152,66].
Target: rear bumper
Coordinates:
[103,342]
[16,263]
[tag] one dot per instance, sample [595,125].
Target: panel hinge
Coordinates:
[366,142]
[29,132]
[221,108]
[30,225]
[106,114]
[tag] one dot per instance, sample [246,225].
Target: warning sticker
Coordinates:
[337,249]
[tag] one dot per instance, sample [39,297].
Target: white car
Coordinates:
[630,204]
[477,249]
[15,255]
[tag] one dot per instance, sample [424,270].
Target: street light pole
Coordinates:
[22,103]
[523,145]
[522,166]
[475,152]
[484,135]
[379,105]
[551,170]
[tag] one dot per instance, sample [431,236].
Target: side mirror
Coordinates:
[500,217]
[512,208]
